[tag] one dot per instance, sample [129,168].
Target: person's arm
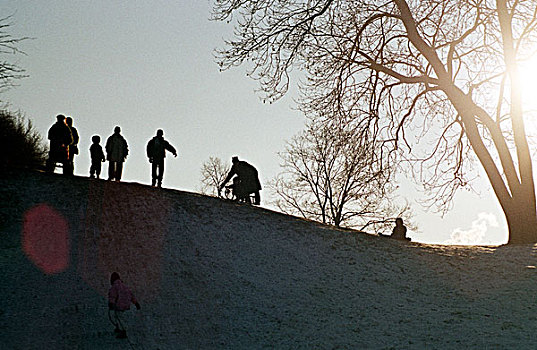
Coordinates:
[108,145]
[126,148]
[149,149]
[135,302]
[228,177]
[76,137]
[69,140]
[170,148]
[112,297]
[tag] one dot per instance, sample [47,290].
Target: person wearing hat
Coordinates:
[156,152]
[60,138]
[248,180]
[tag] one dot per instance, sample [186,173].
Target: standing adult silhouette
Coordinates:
[73,147]
[156,152]
[116,153]
[60,138]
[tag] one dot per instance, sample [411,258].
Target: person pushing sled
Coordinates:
[246,181]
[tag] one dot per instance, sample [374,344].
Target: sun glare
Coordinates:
[528,82]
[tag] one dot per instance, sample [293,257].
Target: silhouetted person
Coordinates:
[120,298]
[97,156]
[60,138]
[156,152]
[248,181]
[116,153]
[235,189]
[73,147]
[399,231]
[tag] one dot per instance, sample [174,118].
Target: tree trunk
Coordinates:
[517,198]
[521,219]
[522,226]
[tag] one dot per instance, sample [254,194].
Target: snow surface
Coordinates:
[212,274]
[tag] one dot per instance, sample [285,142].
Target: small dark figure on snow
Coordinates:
[248,181]
[60,138]
[156,152]
[234,188]
[120,298]
[116,153]
[73,147]
[97,156]
[399,231]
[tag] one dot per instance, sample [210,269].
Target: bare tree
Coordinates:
[436,82]
[213,173]
[9,72]
[331,174]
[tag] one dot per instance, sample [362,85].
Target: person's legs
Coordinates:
[160,172]
[51,164]
[120,325]
[111,170]
[257,198]
[242,193]
[68,167]
[52,158]
[113,319]
[119,170]
[69,164]
[154,166]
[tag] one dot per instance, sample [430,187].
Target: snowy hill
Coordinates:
[211,274]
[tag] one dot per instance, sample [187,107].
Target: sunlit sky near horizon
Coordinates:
[149,65]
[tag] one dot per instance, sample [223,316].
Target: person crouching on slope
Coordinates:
[399,231]
[120,298]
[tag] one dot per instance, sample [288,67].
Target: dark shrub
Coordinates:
[20,144]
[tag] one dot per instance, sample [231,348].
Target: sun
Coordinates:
[528,84]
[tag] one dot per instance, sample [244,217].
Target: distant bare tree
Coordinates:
[213,173]
[9,72]
[331,175]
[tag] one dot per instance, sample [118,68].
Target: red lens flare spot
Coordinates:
[45,239]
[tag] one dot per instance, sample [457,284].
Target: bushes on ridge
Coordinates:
[21,145]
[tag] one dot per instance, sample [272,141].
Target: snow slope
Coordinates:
[212,274]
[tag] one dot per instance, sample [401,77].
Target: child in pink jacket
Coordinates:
[120,298]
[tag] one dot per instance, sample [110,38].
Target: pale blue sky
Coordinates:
[145,65]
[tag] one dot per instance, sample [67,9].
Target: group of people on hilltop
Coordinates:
[64,145]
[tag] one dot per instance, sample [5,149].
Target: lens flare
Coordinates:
[45,239]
